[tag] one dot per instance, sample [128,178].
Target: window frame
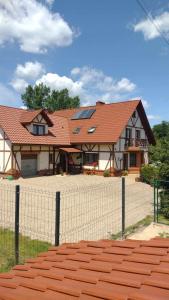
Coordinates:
[91,162]
[138,137]
[37,131]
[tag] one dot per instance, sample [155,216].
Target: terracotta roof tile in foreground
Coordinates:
[112,270]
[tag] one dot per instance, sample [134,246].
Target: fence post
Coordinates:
[157,204]
[154,200]
[123,207]
[57,219]
[17,196]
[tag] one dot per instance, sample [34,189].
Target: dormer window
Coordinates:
[38,129]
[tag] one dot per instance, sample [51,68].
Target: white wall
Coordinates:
[120,145]
[5,157]
[43,161]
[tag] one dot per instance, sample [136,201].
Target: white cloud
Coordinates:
[153,117]
[19,84]
[50,2]
[30,70]
[97,85]
[149,30]
[56,82]
[33,26]
[145,103]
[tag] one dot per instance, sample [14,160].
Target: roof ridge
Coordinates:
[112,103]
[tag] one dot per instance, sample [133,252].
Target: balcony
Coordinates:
[135,144]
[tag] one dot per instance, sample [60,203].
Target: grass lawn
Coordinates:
[133,228]
[28,249]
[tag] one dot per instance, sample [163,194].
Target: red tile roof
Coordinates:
[29,115]
[106,269]
[10,121]
[109,120]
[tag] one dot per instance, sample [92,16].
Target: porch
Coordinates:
[71,161]
[133,159]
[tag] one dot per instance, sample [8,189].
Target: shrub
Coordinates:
[14,173]
[124,173]
[164,171]
[164,203]
[106,173]
[165,212]
[149,173]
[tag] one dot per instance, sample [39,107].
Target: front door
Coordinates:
[63,161]
[125,161]
[29,165]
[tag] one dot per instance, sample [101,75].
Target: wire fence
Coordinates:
[31,219]
[161,201]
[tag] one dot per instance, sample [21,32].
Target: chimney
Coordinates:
[100,102]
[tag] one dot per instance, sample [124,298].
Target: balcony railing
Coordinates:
[136,143]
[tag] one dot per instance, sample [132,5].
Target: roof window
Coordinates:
[83,114]
[91,129]
[76,130]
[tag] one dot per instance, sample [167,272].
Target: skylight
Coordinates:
[76,130]
[83,114]
[91,129]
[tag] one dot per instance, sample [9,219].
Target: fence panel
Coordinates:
[91,213]
[139,202]
[161,202]
[86,213]
[7,226]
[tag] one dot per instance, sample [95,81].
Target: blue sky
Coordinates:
[106,50]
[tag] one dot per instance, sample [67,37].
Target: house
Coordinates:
[112,137]
[105,269]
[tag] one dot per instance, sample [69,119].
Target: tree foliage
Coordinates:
[40,96]
[159,154]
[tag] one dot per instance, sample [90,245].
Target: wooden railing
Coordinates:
[136,143]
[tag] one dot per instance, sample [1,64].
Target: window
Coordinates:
[38,129]
[128,133]
[137,134]
[133,159]
[91,159]
[91,129]
[76,130]
[83,114]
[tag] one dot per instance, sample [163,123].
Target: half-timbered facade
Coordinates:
[93,139]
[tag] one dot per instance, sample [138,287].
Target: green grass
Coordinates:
[133,228]
[162,219]
[28,249]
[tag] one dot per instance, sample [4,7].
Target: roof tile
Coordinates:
[92,270]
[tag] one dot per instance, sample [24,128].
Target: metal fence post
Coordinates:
[157,205]
[17,196]
[154,200]
[57,219]
[123,207]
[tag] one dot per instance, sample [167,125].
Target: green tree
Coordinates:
[61,100]
[159,154]
[40,96]
[36,97]
[161,130]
